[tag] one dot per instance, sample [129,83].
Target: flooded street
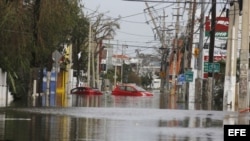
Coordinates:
[114,118]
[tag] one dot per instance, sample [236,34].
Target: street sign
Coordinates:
[181,79]
[163,74]
[211,67]
[189,76]
[216,67]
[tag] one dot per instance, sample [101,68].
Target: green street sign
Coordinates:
[217,34]
[189,76]
[211,67]
[216,67]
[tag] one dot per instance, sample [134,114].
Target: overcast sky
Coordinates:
[134,30]
[136,27]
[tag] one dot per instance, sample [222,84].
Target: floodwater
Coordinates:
[113,118]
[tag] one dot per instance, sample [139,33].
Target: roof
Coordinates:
[120,56]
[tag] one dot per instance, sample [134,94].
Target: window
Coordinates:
[122,88]
[130,89]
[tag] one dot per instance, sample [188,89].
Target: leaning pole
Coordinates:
[244,59]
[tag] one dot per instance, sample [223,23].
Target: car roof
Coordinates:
[127,84]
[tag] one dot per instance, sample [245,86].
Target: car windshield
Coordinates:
[139,88]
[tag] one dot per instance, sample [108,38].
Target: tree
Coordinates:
[54,24]
[79,39]
[32,29]
[134,78]
[30,32]
[102,29]
[146,79]
[15,38]
[128,77]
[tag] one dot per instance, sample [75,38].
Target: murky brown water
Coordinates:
[110,118]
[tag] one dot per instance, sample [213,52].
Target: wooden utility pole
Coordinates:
[164,47]
[200,59]
[190,86]
[229,99]
[175,48]
[211,56]
[157,30]
[212,36]
[244,59]
[165,78]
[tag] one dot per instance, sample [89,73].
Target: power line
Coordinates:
[128,16]
[157,1]
[135,34]
[132,46]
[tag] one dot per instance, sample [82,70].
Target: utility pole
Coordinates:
[157,30]
[98,59]
[211,55]
[115,63]
[93,76]
[201,37]
[122,71]
[190,86]
[229,99]
[175,49]
[198,81]
[163,43]
[244,59]
[89,54]
[122,66]
[164,56]
[115,77]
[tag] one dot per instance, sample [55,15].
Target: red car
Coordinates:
[130,90]
[85,91]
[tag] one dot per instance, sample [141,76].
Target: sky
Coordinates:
[137,30]
[136,27]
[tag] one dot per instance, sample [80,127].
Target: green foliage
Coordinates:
[146,80]
[134,78]
[31,31]
[110,75]
[79,36]
[128,75]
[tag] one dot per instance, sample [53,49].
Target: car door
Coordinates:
[122,90]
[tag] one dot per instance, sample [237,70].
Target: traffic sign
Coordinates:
[189,76]
[163,74]
[181,79]
[211,67]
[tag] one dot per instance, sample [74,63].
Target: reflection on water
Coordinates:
[113,118]
[159,100]
[110,124]
[115,101]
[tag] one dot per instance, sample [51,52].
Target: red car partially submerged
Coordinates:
[85,91]
[130,90]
